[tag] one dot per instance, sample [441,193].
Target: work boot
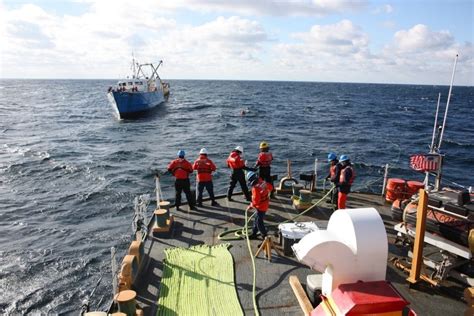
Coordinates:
[214,203]
[253,236]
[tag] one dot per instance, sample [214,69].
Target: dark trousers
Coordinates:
[265,174]
[344,190]
[181,185]
[238,175]
[258,224]
[209,187]
[334,196]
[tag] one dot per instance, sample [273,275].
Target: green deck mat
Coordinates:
[198,281]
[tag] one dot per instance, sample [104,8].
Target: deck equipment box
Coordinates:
[291,233]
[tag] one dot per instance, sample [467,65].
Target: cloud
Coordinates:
[342,38]
[252,7]
[420,38]
[386,9]
[341,51]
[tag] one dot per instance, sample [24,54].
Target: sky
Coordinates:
[407,42]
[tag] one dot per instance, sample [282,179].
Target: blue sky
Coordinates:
[302,40]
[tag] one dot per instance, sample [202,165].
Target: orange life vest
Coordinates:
[264,159]
[261,195]
[342,177]
[180,168]
[204,167]
[235,161]
[332,171]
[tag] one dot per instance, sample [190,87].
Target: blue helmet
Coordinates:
[251,177]
[343,158]
[331,157]
[181,153]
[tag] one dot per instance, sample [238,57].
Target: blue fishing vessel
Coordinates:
[141,92]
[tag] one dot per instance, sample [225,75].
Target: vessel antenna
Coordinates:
[133,66]
[432,148]
[447,103]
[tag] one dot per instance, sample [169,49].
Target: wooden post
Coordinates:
[300,294]
[419,238]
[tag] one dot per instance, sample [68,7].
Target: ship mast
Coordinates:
[435,143]
[134,70]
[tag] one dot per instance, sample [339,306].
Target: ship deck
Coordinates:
[274,294]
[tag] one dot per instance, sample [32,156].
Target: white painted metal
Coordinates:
[315,173]
[437,241]
[114,270]
[385,176]
[297,230]
[447,103]
[354,247]
[158,191]
[435,127]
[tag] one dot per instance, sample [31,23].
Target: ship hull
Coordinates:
[134,104]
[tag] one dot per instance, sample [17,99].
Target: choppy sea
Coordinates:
[69,170]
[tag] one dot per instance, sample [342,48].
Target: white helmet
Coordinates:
[239,148]
[203,151]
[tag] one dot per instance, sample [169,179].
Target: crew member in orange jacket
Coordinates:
[264,162]
[260,201]
[204,167]
[237,164]
[333,176]
[345,181]
[180,168]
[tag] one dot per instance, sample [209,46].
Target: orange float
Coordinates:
[395,189]
[413,187]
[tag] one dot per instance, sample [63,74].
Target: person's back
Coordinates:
[237,165]
[180,168]
[204,167]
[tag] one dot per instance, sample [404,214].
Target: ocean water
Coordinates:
[69,170]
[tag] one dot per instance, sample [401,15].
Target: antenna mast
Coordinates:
[447,103]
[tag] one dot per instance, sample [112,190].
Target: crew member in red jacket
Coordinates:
[260,201]
[180,168]
[204,167]
[264,162]
[237,164]
[345,181]
[333,176]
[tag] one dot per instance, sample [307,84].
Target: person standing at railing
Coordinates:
[205,167]
[237,164]
[333,176]
[180,168]
[264,162]
[346,179]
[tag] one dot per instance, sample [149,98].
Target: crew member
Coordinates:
[346,179]
[180,168]
[260,201]
[333,176]
[204,167]
[264,161]
[237,164]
